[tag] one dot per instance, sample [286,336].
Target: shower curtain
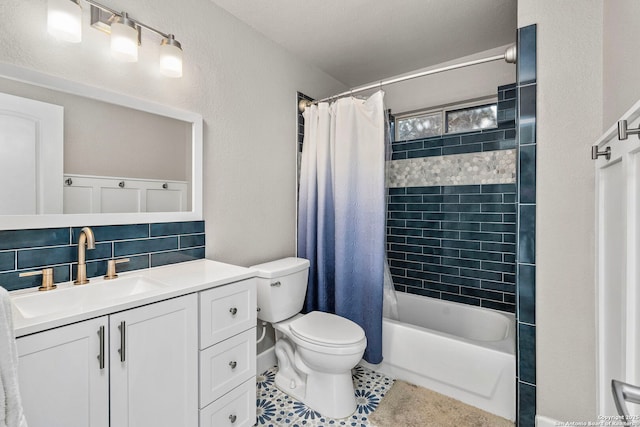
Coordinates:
[341,222]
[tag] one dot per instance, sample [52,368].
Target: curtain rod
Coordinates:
[510,56]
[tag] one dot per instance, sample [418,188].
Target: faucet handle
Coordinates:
[47,278]
[111,267]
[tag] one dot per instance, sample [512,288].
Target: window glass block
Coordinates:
[473,118]
[422,126]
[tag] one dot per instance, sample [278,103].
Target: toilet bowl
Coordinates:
[315,351]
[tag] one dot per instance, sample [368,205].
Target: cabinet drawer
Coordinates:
[226,365]
[226,311]
[235,409]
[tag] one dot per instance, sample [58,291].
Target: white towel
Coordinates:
[11,412]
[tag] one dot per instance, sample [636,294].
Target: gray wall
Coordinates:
[569,120]
[243,85]
[620,62]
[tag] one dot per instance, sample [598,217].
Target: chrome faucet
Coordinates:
[84,239]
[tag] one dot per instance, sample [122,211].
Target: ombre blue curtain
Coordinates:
[341,218]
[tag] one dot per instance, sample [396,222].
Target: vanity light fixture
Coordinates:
[124,39]
[64,22]
[171,57]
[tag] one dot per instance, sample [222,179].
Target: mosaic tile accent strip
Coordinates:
[491,167]
[276,408]
[29,250]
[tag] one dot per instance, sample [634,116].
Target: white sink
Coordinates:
[70,298]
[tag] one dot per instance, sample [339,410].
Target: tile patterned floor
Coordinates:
[276,408]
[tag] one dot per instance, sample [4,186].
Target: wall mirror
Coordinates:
[73,154]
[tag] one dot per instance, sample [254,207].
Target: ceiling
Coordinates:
[362,41]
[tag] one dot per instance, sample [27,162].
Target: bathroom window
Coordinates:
[419,126]
[467,117]
[472,118]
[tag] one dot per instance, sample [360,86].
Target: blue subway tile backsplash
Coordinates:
[103,233]
[135,247]
[144,244]
[18,239]
[30,258]
[7,261]
[176,228]
[136,262]
[191,241]
[173,257]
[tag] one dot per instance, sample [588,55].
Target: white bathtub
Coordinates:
[462,351]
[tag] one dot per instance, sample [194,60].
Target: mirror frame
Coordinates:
[16,222]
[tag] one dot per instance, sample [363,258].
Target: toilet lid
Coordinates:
[327,328]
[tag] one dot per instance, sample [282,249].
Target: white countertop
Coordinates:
[177,280]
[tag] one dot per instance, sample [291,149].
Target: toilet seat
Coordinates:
[332,333]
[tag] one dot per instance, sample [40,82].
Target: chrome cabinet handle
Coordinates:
[233,311]
[232,418]
[233,364]
[101,354]
[123,341]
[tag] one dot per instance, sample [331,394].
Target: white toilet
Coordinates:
[315,351]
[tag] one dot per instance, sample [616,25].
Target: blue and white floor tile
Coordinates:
[276,408]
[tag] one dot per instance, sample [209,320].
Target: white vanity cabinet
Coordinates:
[148,354]
[228,355]
[183,354]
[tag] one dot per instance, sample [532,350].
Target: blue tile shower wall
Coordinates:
[526,260]
[457,242]
[146,245]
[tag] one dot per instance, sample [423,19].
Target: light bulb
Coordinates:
[124,39]
[64,20]
[171,57]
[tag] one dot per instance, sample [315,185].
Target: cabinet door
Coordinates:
[61,381]
[154,365]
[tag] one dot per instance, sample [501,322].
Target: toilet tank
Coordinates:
[282,286]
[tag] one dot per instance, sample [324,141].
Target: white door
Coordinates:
[61,380]
[154,365]
[31,156]
[618,220]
